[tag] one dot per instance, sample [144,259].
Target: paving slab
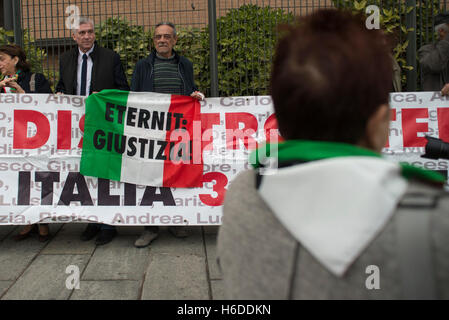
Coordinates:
[16,256]
[10,230]
[5,231]
[211,229]
[55,227]
[67,241]
[130,231]
[167,243]
[117,260]
[4,285]
[211,249]
[218,292]
[46,278]
[107,290]
[176,277]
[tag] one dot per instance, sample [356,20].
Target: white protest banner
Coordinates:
[40,138]
[413,116]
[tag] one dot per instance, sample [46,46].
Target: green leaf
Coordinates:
[360,5]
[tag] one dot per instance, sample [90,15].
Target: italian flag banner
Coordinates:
[143,138]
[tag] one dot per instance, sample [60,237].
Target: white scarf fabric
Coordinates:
[335,207]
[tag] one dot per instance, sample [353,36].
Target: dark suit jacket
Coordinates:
[107,71]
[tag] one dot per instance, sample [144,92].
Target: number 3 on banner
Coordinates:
[221,182]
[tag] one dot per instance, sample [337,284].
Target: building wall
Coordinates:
[48,18]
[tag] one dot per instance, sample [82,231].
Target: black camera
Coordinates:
[436,149]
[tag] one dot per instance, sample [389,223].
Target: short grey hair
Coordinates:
[443,26]
[166,23]
[84,20]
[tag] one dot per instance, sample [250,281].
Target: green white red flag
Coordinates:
[143,138]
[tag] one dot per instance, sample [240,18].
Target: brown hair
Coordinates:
[330,74]
[14,50]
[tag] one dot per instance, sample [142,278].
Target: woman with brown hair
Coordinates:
[17,78]
[333,212]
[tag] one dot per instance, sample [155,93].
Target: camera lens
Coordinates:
[436,149]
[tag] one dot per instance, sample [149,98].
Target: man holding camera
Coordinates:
[434,58]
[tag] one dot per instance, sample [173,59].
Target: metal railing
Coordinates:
[46,24]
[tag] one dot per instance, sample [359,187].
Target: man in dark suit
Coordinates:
[84,70]
[104,69]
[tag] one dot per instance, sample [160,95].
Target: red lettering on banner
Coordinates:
[20,137]
[81,124]
[392,118]
[271,129]
[207,121]
[219,187]
[234,133]
[64,130]
[410,127]
[443,123]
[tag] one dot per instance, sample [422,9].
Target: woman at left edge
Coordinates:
[17,78]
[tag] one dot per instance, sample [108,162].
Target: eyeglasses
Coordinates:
[166,36]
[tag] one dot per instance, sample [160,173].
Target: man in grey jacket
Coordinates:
[434,57]
[336,220]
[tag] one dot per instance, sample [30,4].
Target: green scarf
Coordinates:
[16,74]
[306,150]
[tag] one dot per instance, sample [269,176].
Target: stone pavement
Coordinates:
[170,268]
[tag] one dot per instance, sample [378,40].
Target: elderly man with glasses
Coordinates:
[164,71]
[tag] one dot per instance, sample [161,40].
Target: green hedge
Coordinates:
[35,56]
[129,41]
[246,40]
[392,20]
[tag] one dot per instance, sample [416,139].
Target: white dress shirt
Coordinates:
[89,70]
